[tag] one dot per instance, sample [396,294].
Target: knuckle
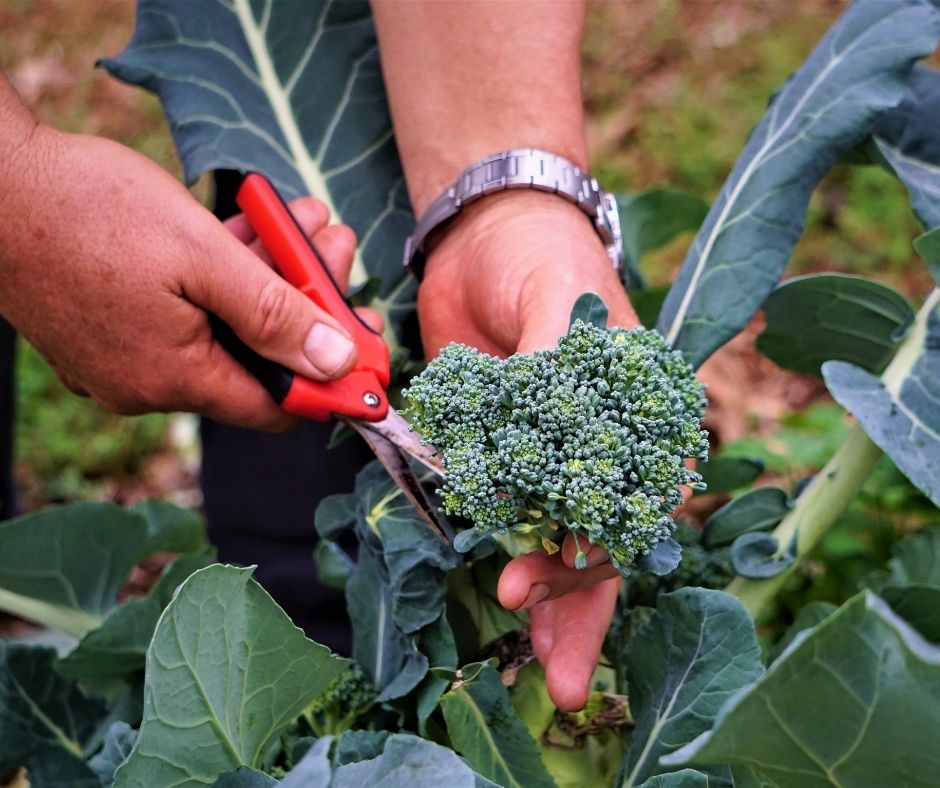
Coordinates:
[272,312]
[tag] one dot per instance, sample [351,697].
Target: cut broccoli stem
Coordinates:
[831,491]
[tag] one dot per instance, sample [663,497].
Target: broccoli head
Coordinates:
[591,437]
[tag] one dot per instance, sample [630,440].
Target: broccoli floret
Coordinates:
[592,436]
[335,710]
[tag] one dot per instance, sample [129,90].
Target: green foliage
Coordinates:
[590,437]
[233,690]
[67,442]
[814,319]
[863,670]
[484,728]
[827,107]
[701,566]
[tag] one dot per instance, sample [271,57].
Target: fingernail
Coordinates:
[595,555]
[537,593]
[328,349]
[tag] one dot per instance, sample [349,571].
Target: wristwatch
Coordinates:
[524,168]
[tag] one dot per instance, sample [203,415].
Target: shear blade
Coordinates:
[395,461]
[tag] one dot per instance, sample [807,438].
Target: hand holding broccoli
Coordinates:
[504,280]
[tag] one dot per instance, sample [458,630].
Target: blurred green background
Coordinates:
[672,89]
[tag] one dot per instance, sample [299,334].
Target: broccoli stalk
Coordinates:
[590,438]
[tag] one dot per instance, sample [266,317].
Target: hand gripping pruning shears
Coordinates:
[360,399]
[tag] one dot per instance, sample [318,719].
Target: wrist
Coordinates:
[521,212]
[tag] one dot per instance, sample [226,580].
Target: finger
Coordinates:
[535,577]
[541,630]
[547,305]
[371,318]
[336,246]
[594,554]
[269,315]
[224,391]
[312,216]
[581,620]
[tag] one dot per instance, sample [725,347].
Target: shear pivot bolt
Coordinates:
[372,400]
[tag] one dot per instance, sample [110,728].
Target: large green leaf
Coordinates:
[899,411]
[46,723]
[807,618]
[485,729]
[226,673]
[697,650]
[855,702]
[397,587]
[823,317]
[907,141]
[294,91]
[119,646]
[826,108]
[64,566]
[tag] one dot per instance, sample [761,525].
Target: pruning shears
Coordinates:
[360,399]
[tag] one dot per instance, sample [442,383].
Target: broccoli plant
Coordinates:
[591,438]
[206,681]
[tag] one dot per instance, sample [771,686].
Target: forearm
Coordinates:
[468,78]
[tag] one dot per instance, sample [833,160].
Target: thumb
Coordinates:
[547,309]
[268,314]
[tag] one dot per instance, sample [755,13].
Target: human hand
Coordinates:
[504,279]
[112,267]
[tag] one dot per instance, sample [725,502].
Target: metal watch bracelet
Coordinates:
[524,168]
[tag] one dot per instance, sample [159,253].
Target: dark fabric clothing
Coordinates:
[261,492]
[8,503]
[260,495]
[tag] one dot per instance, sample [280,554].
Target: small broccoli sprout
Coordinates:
[337,709]
[591,437]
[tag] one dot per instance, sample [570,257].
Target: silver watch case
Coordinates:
[526,168]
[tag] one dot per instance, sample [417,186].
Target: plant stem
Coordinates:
[833,488]
[72,622]
[821,503]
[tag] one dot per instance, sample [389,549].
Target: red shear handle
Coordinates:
[360,394]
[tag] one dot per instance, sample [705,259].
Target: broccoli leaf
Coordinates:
[696,651]
[727,474]
[591,309]
[485,729]
[906,141]
[119,646]
[758,556]
[877,681]
[226,673]
[293,92]
[652,219]
[899,411]
[63,567]
[118,743]
[405,762]
[397,587]
[46,723]
[859,68]
[755,510]
[823,317]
